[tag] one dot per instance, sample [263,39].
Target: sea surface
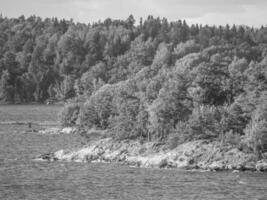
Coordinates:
[22,178]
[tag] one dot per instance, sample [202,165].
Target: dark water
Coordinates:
[21,178]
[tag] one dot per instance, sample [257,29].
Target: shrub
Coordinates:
[99,108]
[231,138]
[256,131]
[173,141]
[124,128]
[185,48]
[204,123]
[234,119]
[70,114]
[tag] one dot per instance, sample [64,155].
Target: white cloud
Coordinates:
[251,12]
[252,15]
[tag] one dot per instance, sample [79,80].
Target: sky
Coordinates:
[212,12]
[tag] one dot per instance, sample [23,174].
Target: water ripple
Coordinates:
[21,178]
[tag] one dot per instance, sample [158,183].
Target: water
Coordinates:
[21,178]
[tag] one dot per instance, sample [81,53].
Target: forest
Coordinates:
[148,80]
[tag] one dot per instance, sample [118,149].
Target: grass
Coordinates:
[21,114]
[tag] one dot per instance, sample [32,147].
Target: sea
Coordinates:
[22,178]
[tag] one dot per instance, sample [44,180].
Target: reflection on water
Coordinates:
[20,178]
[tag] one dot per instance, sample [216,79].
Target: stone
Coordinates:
[250,166]
[183,162]
[59,154]
[163,163]
[46,157]
[261,165]
[68,130]
[50,131]
[207,157]
[235,171]
[217,165]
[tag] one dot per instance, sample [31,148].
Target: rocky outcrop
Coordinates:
[261,165]
[200,154]
[57,131]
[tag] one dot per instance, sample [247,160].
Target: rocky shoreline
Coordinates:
[199,155]
[58,131]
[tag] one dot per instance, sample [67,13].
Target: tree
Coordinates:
[127,106]
[6,90]
[171,106]
[10,63]
[162,57]
[238,79]
[256,131]
[130,22]
[183,49]
[212,84]
[99,108]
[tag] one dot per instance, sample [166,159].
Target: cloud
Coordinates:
[206,11]
[172,9]
[252,15]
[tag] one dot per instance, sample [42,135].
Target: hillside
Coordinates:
[152,80]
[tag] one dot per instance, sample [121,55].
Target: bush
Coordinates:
[185,48]
[70,114]
[204,123]
[231,138]
[256,131]
[235,119]
[99,108]
[173,141]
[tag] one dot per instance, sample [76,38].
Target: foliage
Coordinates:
[156,80]
[99,108]
[256,131]
[69,114]
[203,123]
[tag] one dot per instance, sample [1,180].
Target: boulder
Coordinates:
[217,165]
[192,155]
[235,171]
[250,166]
[182,162]
[63,155]
[68,130]
[46,157]
[50,131]
[56,131]
[261,165]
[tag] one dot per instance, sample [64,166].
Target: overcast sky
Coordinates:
[248,12]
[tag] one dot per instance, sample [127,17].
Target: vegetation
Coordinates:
[152,80]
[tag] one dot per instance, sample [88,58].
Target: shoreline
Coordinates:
[194,155]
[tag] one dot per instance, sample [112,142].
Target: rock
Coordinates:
[68,130]
[183,162]
[261,165]
[235,171]
[59,154]
[202,165]
[250,166]
[216,165]
[50,131]
[64,155]
[207,156]
[239,167]
[163,163]
[46,157]
[56,131]
[264,155]
[229,167]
